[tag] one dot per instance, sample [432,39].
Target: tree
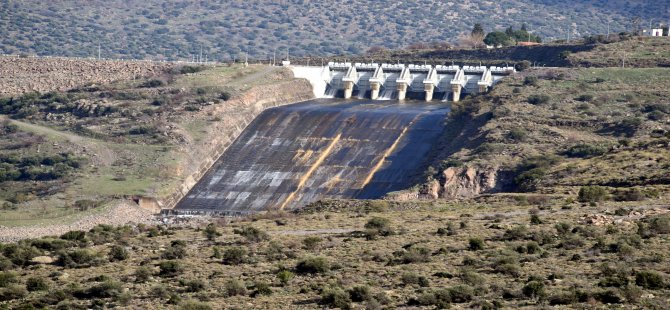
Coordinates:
[477,35]
[477,30]
[497,38]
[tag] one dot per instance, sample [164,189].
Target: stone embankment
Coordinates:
[121,213]
[22,75]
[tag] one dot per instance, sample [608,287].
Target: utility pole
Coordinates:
[274,57]
[200,57]
[98,51]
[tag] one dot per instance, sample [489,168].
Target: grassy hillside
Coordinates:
[559,131]
[371,255]
[638,52]
[227,29]
[66,153]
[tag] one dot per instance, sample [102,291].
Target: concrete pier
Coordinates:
[403,82]
[349,80]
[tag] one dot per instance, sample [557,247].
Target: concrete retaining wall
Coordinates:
[246,108]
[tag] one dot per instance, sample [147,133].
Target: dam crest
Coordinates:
[400,82]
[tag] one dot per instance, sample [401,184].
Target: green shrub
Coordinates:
[586,150]
[252,234]
[152,83]
[530,81]
[117,253]
[631,194]
[234,255]
[476,244]
[336,298]
[538,99]
[75,235]
[517,135]
[534,289]
[313,265]
[585,98]
[170,268]
[415,255]
[592,194]
[360,293]
[176,250]
[142,274]
[649,280]
[235,287]
[262,288]
[411,278]
[518,232]
[311,242]
[211,232]
[8,278]
[285,276]
[37,284]
[78,258]
[13,291]
[225,96]
[194,286]
[105,289]
[379,225]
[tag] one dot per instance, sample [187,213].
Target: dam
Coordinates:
[323,148]
[369,132]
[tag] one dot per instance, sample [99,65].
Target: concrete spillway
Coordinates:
[324,148]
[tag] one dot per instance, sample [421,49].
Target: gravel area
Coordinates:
[124,212]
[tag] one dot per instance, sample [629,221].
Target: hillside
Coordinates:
[75,152]
[226,29]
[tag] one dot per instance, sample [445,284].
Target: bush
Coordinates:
[585,98]
[649,280]
[360,293]
[235,287]
[285,276]
[234,255]
[476,244]
[37,284]
[538,99]
[117,253]
[530,81]
[336,298]
[194,286]
[170,268]
[379,225]
[517,135]
[592,194]
[252,234]
[177,250]
[225,96]
[152,83]
[262,288]
[142,274]
[586,150]
[311,242]
[75,235]
[8,278]
[411,278]
[211,232]
[534,289]
[313,265]
[415,255]
[632,194]
[12,292]
[522,65]
[105,289]
[77,259]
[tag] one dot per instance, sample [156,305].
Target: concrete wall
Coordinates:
[245,109]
